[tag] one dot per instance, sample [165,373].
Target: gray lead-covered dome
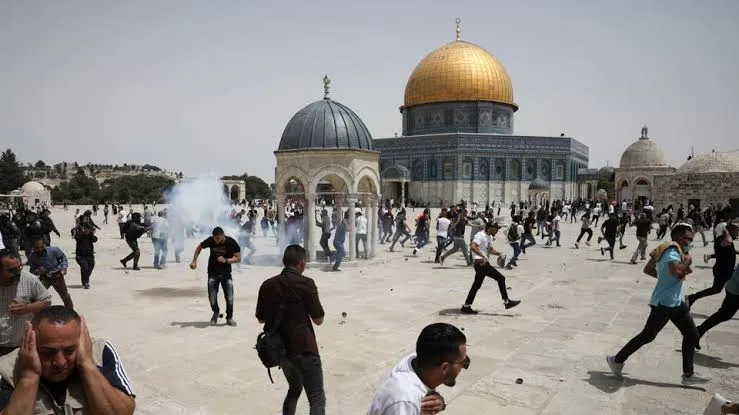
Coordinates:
[711,163]
[643,153]
[324,125]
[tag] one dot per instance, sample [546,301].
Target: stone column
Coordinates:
[352,231]
[280,206]
[310,224]
[402,193]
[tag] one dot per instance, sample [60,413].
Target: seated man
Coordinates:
[60,369]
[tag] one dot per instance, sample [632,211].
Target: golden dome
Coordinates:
[459,71]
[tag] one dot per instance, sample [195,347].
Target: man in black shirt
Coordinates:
[643,227]
[724,266]
[224,251]
[85,253]
[528,232]
[610,231]
[459,227]
[302,362]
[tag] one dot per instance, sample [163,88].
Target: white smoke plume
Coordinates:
[201,203]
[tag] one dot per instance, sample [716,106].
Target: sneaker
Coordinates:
[87,287]
[214,319]
[600,239]
[466,309]
[231,322]
[587,243]
[126,266]
[633,261]
[512,303]
[616,368]
[441,261]
[622,247]
[509,267]
[705,258]
[577,245]
[136,269]
[415,251]
[694,379]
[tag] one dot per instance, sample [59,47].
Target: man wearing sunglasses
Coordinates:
[441,354]
[667,305]
[21,296]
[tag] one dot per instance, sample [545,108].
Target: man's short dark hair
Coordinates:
[293,255]
[679,229]
[218,231]
[38,238]
[7,253]
[438,343]
[56,314]
[492,225]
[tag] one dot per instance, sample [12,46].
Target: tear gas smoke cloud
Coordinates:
[202,203]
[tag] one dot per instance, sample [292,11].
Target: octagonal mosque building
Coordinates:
[458,138]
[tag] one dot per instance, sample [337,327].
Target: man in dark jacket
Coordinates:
[133,231]
[302,363]
[85,253]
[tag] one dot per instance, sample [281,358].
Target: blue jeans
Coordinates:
[516,252]
[527,237]
[225,281]
[339,254]
[304,371]
[160,251]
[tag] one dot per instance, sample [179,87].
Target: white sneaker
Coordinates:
[695,378]
[616,368]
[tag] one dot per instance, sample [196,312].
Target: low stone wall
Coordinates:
[709,188]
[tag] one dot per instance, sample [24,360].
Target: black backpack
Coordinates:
[513,235]
[270,347]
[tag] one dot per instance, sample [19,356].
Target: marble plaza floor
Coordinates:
[577,307]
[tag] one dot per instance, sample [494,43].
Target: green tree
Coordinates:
[257,188]
[609,187]
[11,172]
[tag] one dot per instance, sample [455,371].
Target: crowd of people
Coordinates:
[288,304]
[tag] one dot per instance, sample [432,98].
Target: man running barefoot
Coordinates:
[481,248]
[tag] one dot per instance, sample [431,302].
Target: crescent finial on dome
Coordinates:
[459,30]
[326,86]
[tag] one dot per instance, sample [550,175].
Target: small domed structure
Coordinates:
[326,156]
[643,153]
[601,194]
[640,164]
[33,189]
[607,173]
[539,191]
[326,124]
[711,163]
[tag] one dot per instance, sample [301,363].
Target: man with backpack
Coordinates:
[286,305]
[133,231]
[514,240]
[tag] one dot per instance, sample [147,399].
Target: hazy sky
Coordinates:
[206,87]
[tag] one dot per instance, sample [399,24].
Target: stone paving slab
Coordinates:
[576,308]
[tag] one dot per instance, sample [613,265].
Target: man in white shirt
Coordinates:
[159,237]
[555,233]
[442,232]
[481,248]
[360,224]
[441,354]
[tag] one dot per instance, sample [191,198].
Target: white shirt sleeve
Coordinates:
[400,408]
[479,239]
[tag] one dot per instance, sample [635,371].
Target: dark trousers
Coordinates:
[361,237]
[658,318]
[86,263]
[440,245]
[324,244]
[725,313]
[482,271]
[304,371]
[662,231]
[225,281]
[720,277]
[527,237]
[120,230]
[516,252]
[611,239]
[583,231]
[57,281]
[135,252]
[339,254]
[398,234]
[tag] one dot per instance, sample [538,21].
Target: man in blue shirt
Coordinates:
[50,264]
[728,308]
[667,305]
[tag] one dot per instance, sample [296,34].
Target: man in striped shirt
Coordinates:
[21,296]
[60,368]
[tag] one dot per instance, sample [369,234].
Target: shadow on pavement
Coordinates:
[455,312]
[194,324]
[606,382]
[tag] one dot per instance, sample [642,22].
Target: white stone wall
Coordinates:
[446,192]
[709,188]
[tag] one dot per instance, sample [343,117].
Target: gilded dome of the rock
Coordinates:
[459,71]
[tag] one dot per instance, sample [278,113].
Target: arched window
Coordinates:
[467,168]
